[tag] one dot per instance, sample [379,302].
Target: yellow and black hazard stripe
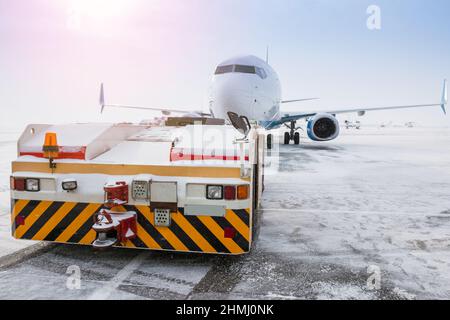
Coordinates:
[70,222]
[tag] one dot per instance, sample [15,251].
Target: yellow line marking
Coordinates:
[165,232]
[192,233]
[18,207]
[237,223]
[32,218]
[78,222]
[54,220]
[218,232]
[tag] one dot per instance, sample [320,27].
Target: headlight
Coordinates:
[32,185]
[214,192]
[139,190]
[69,185]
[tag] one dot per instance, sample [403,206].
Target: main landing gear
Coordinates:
[292,134]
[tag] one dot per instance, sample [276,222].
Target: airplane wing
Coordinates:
[287,117]
[164,111]
[299,100]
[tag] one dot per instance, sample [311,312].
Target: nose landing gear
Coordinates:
[269,141]
[292,135]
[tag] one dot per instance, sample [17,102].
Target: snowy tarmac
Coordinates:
[8,151]
[366,216]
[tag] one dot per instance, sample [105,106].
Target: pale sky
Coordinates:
[161,53]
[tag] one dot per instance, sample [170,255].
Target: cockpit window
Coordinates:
[261,72]
[242,69]
[224,69]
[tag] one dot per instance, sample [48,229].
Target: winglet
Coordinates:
[102,99]
[444,100]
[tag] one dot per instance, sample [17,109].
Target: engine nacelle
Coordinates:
[323,127]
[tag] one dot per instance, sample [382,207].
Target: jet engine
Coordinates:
[323,127]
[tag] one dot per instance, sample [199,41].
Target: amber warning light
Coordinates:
[50,148]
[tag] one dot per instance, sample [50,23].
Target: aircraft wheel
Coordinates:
[287,138]
[297,138]
[269,141]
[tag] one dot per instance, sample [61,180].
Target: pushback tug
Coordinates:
[181,186]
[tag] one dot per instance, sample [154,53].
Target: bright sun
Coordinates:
[99,9]
[96,14]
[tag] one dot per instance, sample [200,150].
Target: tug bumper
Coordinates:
[72,222]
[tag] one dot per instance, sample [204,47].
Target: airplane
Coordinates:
[250,87]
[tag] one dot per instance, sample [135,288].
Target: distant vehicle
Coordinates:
[249,86]
[410,124]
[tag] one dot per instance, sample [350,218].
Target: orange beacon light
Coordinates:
[50,148]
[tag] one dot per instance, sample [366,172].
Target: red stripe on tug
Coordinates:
[78,153]
[180,154]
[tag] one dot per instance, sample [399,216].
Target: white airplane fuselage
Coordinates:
[247,86]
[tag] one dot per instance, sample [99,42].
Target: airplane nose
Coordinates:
[234,94]
[232,87]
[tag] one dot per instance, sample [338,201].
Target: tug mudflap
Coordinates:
[70,222]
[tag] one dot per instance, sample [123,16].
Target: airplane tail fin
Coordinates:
[444,100]
[102,98]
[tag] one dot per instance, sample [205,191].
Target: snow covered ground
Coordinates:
[8,151]
[376,197]
[372,206]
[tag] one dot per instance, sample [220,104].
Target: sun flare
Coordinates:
[100,9]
